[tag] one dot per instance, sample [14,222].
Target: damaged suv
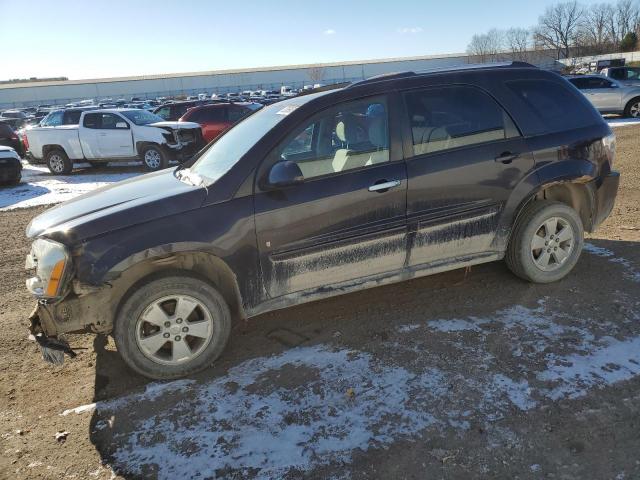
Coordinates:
[379,181]
[101,136]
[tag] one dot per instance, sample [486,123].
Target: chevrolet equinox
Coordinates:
[351,187]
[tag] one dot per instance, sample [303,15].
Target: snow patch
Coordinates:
[39,187]
[630,271]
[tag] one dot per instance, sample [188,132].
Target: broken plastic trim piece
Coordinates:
[53,349]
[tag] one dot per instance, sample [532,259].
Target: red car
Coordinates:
[215,118]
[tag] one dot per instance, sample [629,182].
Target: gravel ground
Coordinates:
[450,376]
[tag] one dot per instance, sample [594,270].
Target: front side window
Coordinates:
[71,117]
[350,136]
[453,117]
[631,74]
[236,113]
[164,112]
[105,121]
[141,117]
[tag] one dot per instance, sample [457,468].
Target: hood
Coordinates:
[175,125]
[130,202]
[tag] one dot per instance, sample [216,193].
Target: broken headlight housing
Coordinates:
[51,263]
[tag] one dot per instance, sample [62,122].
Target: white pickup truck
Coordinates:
[112,135]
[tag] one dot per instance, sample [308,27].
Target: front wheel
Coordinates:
[546,242]
[172,326]
[154,158]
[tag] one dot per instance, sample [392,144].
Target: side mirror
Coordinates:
[284,174]
[122,125]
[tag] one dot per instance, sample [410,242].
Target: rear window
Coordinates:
[5,130]
[555,105]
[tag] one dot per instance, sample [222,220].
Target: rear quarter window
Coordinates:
[556,106]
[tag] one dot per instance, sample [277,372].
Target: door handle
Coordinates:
[384,185]
[102,134]
[507,157]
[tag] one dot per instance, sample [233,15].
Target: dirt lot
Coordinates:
[482,376]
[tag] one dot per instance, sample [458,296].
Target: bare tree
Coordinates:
[485,47]
[518,41]
[594,31]
[557,28]
[316,73]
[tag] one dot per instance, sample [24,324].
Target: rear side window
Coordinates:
[554,104]
[452,117]
[208,115]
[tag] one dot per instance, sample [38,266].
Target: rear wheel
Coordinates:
[58,162]
[546,243]
[154,158]
[633,108]
[172,326]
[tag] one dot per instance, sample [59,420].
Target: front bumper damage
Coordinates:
[53,349]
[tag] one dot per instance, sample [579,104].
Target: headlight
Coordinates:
[50,260]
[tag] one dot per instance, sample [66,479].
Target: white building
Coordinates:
[217,81]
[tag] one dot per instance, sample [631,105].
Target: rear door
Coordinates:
[465,156]
[347,219]
[213,121]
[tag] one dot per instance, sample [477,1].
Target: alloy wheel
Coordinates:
[56,163]
[174,329]
[634,111]
[152,158]
[552,244]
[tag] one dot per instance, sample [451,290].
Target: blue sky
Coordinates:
[97,38]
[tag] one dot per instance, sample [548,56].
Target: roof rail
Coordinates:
[455,68]
[384,76]
[477,66]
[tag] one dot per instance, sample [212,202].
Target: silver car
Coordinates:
[608,95]
[626,75]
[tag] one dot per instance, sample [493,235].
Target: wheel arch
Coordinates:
[142,144]
[52,146]
[203,265]
[627,106]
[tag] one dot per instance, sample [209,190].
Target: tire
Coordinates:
[154,158]
[58,162]
[163,358]
[562,251]
[633,108]
[17,180]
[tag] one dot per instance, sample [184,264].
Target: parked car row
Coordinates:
[609,95]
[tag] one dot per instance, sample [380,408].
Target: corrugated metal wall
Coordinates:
[16,96]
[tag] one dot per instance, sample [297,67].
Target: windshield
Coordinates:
[234,144]
[142,117]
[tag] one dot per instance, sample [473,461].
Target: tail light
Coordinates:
[25,141]
[609,147]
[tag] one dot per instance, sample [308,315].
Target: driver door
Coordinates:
[114,137]
[347,219]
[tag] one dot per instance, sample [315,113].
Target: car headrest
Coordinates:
[346,129]
[378,132]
